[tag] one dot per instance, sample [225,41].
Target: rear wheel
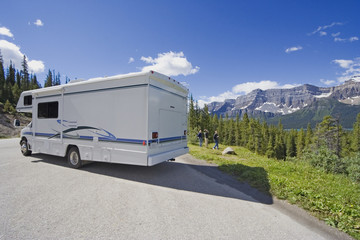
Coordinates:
[73,158]
[25,148]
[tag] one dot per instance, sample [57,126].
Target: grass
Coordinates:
[332,198]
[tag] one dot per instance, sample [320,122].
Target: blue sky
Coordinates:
[220,49]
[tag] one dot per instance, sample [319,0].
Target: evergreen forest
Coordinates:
[13,82]
[327,146]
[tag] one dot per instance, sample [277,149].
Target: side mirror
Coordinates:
[16,123]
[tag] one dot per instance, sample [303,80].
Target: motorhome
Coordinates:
[136,118]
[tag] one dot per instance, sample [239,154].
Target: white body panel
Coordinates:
[110,119]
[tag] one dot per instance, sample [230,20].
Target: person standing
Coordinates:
[206,136]
[216,139]
[200,136]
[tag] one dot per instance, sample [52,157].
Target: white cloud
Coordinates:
[12,52]
[322,33]
[131,59]
[170,63]
[36,66]
[351,67]
[293,49]
[263,85]
[335,34]
[38,23]
[327,82]
[339,39]
[322,28]
[220,98]
[343,63]
[6,32]
[185,84]
[243,88]
[351,39]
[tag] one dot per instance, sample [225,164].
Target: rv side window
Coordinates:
[27,100]
[48,110]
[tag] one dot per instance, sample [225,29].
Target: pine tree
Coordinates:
[2,79]
[270,153]
[34,83]
[231,132]
[25,79]
[328,134]
[355,140]
[214,126]
[56,79]
[244,130]
[259,141]
[49,79]
[308,136]
[192,121]
[290,144]
[265,134]
[237,131]
[8,93]
[10,77]
[16,91]
[279,145]
[205,118]
[221,129]
[18,79]
[300,143]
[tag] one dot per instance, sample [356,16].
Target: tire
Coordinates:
[24,147]
[73,158]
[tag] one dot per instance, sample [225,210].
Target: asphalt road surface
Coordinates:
[42,198]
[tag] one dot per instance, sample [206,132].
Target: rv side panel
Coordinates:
[108,124]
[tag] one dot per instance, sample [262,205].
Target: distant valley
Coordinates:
[296,107]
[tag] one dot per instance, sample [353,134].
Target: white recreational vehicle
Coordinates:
[137,118]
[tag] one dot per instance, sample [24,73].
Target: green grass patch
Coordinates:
[330,197]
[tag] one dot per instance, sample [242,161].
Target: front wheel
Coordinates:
[25,148]
[73,158]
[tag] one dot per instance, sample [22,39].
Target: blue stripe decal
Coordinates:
[119,140]
[24,107]
[130,140]
[86,137]
[43,134]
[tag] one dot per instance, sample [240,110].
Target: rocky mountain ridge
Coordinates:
[273,102]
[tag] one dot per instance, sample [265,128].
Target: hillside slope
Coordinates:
[315,113]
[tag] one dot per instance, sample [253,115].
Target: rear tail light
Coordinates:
[155,135]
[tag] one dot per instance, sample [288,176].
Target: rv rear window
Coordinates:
[28,100]
[48,110]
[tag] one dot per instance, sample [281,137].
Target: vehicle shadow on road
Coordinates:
[192,177]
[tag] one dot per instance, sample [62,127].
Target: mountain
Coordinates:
[315,113]
[307,103]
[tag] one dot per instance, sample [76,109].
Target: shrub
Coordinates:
[193,139]
[8,107]
[353,167]
[326,160]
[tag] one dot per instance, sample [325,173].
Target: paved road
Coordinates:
[41,198]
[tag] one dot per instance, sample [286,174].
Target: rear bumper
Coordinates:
[162,157]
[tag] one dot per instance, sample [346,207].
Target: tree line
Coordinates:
[13,82]
[327,146]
